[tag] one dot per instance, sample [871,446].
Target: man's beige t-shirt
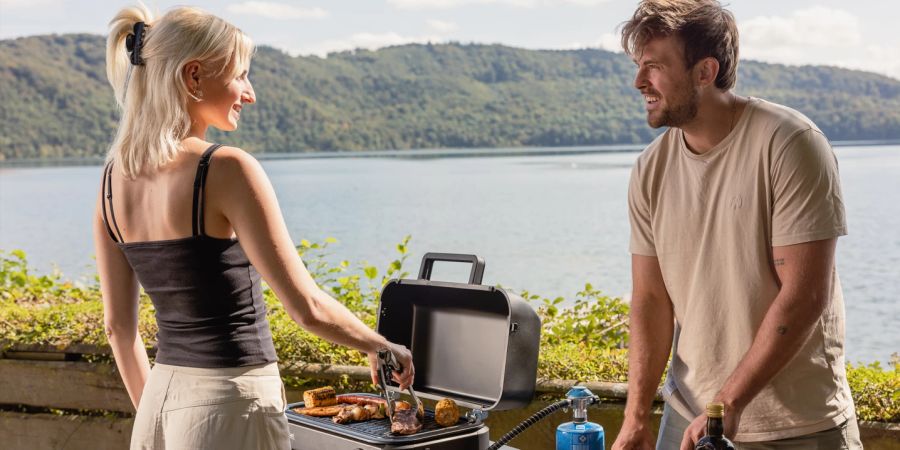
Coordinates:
[712,221]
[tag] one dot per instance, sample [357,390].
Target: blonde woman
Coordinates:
[196,225]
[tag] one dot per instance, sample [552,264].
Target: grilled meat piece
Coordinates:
[405,422]
[320,411]
[358,413]
[375,411]
[353,413]
[400,405]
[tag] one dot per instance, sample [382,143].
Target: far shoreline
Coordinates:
[412,153]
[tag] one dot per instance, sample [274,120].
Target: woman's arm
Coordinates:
[119,287]
[247,200]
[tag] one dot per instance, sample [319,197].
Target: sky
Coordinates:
[858,34]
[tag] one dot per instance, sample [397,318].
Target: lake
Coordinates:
[545,223]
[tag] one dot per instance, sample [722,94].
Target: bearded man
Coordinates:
[735,212]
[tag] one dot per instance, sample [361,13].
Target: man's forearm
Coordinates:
[651,327]
[805,273]
[783,331]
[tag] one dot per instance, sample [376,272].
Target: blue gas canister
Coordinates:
[579,434]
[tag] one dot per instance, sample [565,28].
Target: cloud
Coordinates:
[280,11]
[447,4]
[441,26]
[608,41]
[816,27]
[816,35]
[32,4]
[611,42]
[586,3]
[872,58]
[369,41]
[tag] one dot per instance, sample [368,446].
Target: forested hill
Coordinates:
[55,100]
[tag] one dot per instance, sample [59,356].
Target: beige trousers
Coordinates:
[842,437]
[196,408]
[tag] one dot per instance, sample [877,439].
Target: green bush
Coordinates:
[876,391]
[585,341]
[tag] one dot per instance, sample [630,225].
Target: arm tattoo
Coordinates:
[779,262]
[782,329]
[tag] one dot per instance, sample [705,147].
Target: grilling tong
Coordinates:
[387,363]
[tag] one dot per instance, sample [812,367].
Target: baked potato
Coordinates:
[446,413]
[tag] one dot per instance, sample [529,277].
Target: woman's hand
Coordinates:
[406,377]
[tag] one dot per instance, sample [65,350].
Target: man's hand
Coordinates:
[651,322]
[634,436]
[697,428]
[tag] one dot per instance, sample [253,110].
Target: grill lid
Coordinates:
[475,344]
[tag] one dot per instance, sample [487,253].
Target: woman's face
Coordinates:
[221,100]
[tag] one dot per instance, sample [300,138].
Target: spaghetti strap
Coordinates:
[107,197]
[197,223]
[103,198]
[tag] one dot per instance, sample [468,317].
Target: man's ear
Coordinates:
[706,71]
[191,75]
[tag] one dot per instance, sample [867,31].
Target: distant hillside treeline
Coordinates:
[55,100]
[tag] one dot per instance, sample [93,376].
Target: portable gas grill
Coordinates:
[477,345]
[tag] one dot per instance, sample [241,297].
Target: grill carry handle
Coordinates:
[429,259]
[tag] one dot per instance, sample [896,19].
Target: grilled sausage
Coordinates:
[356,399]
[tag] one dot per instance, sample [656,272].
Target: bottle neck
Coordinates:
[715,427]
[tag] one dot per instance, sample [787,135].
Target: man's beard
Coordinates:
[681,111]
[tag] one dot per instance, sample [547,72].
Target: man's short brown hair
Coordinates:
[704,26]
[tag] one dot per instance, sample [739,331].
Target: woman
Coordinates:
[196,225]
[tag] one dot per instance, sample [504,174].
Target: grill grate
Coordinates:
[381,427]
[379,431]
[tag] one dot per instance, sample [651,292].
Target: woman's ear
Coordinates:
[191,75]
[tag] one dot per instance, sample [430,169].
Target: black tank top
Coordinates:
[207,295]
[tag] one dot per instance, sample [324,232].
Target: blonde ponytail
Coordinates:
[117,62]
[153,100]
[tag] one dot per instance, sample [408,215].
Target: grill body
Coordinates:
[307,438]
[475,344]
[320,433]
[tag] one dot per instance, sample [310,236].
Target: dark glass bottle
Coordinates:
[715,430]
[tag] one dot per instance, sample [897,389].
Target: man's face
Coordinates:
[670,97]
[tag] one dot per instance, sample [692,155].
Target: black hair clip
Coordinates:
[134,43]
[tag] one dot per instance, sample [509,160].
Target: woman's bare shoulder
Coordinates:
[236,162]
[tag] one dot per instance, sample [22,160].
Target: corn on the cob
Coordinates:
[323,396]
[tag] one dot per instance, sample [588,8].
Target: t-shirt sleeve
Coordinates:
[639,215]
[807,201]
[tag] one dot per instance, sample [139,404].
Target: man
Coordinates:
[735,212]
